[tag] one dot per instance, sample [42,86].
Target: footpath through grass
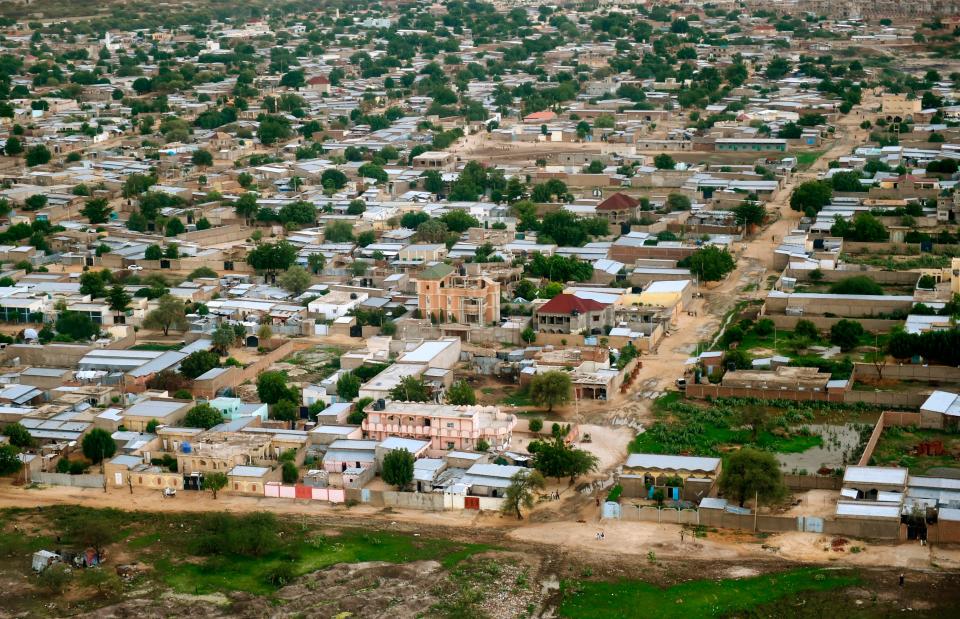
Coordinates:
[699,598]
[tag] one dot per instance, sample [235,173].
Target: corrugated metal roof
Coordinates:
[672,463]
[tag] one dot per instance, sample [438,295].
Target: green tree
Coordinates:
[411,389]
[223,337]
[272,387]
[284,410]
[806,329]
[118,299]
[551,388]
[169,314]
[202,416]
[678,202]
[38,155]
[198,363]
[98,445]
[811,196]
[296,279]
[75,325]
[520,492]
[554,458]
[290,473]
[338,232]
[846,334]
[13,147]
[664,161]
[272,129]
[201,158]
[316,262]
[174,227]
[348,386]
[9,462]
[711,263]
[461,393]
[750,213]
[19,436]
[272,257]
[750,473]
[246,205]
[153,252]
[458,220]
[528,335]
[847,182]
[334,178]
[96,211]
[214,481]
[432,182]
[398,468]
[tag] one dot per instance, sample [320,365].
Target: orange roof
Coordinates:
[544,115]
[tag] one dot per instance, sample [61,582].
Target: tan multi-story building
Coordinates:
[447,427]
[450,296]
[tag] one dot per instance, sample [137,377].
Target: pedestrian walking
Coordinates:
[601,536]
[901,580]
[681,536]
[598,501]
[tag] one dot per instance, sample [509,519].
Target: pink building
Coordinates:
[447,427]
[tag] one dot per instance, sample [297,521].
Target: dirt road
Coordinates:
[620,537]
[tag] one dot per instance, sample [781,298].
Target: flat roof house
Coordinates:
[681,477]
[166,412]
[446,427]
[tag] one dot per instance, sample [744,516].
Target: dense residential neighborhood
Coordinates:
[470,309]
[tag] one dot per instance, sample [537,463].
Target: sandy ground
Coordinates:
[641,538]
[626,538]
[817,503]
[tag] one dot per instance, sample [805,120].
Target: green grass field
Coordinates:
[685,427]
[699,598]
[173,545]
[807,158]
[896,444]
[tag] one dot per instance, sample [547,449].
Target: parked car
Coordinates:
[135,267]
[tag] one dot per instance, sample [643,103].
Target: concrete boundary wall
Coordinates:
[65,479]
[887,419]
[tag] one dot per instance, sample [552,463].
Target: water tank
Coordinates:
[380,405]
[186,448]
[30,334]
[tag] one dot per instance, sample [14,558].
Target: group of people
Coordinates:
[599,536]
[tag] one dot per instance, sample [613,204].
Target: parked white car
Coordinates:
[135,267]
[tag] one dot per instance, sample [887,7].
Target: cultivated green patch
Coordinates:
[698,598]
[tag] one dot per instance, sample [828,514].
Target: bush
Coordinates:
[536,424]
[858,284]
[281,575]
[291,474]
[846,334]
[806,328]
[764,327]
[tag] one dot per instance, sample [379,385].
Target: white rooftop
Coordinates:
[891,476]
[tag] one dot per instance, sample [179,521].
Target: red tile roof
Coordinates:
[618,202]
[567,303]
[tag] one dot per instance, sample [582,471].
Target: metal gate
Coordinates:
[810,524]
[611,510]
[471,502]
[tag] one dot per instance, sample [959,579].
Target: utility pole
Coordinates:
[756,509]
